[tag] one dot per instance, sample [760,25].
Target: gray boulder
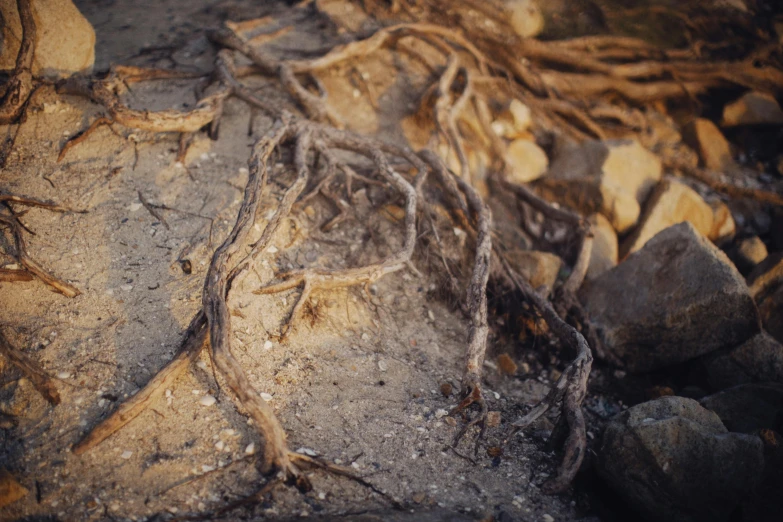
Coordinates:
[759,359]
[672,460]
[749,408]
[677,298]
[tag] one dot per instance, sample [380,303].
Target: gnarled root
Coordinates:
[16,91]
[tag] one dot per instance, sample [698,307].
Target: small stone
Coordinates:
[126,454]
[548,518]
[539,268]
[206,468]
[272,249]
[514,121]
[672,202]
[365,336]
[64,375]
[310,211]
[605,252]
[446,389]
[506,364]
[268,345]
[419,497]
[307,451]
[613,177]
[493,419]
[10,489]
[750,252]
[207,400]
[126,288]
[439,414]
[524,17]
[383,365]
[451,421]
[753,108]
[250,449]
[134,207]
[526,161]
[266,396]
[219,445]
[723,225]
[705,138]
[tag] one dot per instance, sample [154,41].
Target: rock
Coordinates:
[604,255]
[766,275]
[672,460]
[525,18]
[539,268]
[723,225]
[748,408]
[513,121]
[613,177]
[750,252]
[659,306]
[705,138]
[526,161]
[10,489]
[770,305]
[754,108]
[672,202]
[759,359]
[65,40]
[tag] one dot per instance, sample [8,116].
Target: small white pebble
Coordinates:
[168,393]
[382,365]
[250,449]
[63,375]
[441,413]
[268,345]
[321,495]
[127,288]
[266,396]
[207,469]
[133,207]
[202,365]
[307,451]
[220,445]
[548,518]
[272,249]
[207,400]
[430,315]
[126,454]
[365,336]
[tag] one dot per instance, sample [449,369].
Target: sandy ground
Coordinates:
[358,382]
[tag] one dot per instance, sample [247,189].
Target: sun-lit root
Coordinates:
[476,300]
[569,391]
[15,227]
[32,370]
[195,338]
[327,279]
[98,122]
[16,91]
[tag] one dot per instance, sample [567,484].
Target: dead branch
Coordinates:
[17,89]
[568,392]
[38,377]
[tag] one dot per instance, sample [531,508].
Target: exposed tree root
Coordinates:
[16,91]
[38,377]
[10,220]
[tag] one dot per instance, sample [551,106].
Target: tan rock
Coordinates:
[10,489]
[65,40]
[604,254]
[525,17]
[766,275]
[539,268]
[526,161]
[513,121]
[705,138]
[723,225]
[672,202]
[754,108]
[750,252]
[613,177]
